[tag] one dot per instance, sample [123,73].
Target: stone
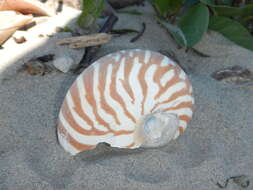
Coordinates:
[64,64]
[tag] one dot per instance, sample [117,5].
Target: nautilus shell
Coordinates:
[128,99]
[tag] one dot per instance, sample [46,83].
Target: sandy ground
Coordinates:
[218,143]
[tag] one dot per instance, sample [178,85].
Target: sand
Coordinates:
[217,145]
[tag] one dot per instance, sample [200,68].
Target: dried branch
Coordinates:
[140,33]
[85,40]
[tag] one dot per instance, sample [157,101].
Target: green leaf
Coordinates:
[191,2]
[176,32]
[67,29]
[232,30]
[223,10]
[194,23]
[168,6]
[92,9]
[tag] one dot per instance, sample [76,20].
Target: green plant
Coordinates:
[192,18]
[92,9]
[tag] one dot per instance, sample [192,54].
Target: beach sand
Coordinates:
[217,145]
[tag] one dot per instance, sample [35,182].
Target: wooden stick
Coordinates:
[85,40]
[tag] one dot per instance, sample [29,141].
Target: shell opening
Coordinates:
[158,129]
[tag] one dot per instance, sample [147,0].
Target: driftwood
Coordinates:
[85,40]
[118,4]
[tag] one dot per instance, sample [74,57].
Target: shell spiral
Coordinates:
[111,97]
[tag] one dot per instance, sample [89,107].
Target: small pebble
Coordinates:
[20,40]
[64,64]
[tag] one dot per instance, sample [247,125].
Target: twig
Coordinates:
[140,33]
[108,25]
[85,40]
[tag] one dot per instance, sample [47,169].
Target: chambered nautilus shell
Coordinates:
[128,99]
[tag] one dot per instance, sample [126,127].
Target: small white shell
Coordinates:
[128,99]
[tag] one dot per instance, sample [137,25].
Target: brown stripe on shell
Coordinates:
[80,147]
[173,81]
[170,83]
[156,58]
[125,83]
[122,132]
[101,87]
[144,86]
[173,96]
[90,98]
[182,92]
[181,105]
[141,77]
[68,116]
[88,85]
[157,77]
[140,55]
[74,91]
[114,94]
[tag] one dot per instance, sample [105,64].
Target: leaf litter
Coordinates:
[38,66]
